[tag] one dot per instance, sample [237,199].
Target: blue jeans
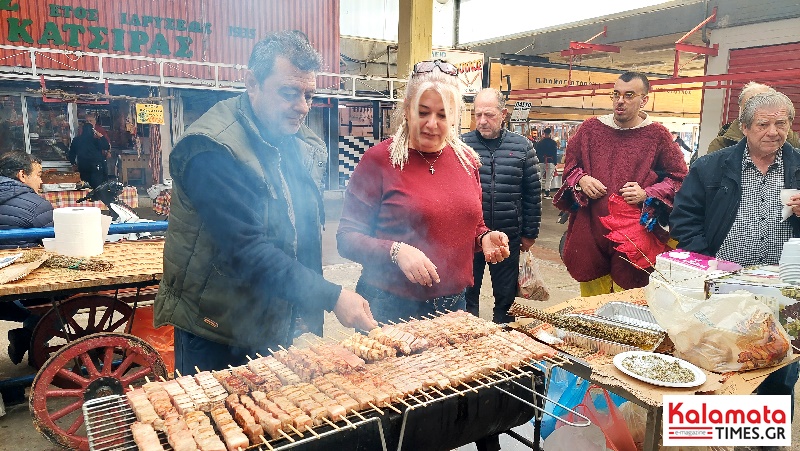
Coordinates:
[389,307]
[192,351]
[781,382]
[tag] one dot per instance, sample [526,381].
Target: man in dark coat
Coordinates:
[729,205]
[21,207]
[511,198]
[547,153]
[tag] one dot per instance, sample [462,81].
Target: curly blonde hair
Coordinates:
[447,87]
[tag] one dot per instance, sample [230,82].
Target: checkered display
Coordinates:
[351,148]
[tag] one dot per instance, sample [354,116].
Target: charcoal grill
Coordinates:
[431,419]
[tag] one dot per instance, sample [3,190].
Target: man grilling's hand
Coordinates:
[352,310]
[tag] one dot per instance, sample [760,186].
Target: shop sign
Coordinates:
[470,68]
[521,111]
[149,113]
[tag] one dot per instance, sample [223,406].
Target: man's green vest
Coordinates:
[199,292]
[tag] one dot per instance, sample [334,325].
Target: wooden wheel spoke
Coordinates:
[92,316]
[130,378]
[108,360]
[118,323]
[76,328]
[88,363]
[73,428]
[67,410]
[124,366]
[73,377]
[60,334]
[64,393]
[106,316]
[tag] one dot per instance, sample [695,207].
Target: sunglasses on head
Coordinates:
[423,67]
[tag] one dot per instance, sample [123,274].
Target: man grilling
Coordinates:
[243,250]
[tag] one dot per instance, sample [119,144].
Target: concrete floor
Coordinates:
[16,428]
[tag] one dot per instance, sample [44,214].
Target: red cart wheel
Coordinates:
[103,314]
[98,365]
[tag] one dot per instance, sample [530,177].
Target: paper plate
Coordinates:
[699,375]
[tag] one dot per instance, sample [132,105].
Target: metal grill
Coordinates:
[426,419]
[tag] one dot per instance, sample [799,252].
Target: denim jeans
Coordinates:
[389,307]
[192,351]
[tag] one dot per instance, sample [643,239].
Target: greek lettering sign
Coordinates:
[521,111]
[149,113]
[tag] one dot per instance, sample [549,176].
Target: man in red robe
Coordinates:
[626,153]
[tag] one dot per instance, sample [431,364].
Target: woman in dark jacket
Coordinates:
[88,152]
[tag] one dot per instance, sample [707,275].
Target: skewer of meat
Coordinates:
[232,434]
[145,437]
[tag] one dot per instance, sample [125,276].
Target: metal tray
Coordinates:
[593,344]
[632,328]
[633,314]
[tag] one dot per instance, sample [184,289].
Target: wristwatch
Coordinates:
[577,187]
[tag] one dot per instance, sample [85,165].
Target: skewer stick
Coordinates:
[422,392]
[162,378]
[286,436]
[374,407]
[147,379]
[197,370]
[460,393]
[404,402]
[448,310]
[358,414]
[282,348]
[391,322]
[394,408]
[348,422]
[411,395]
[270,351]
[438,392]
[249,359]
[294,429]
[259,356]
[266,442]
[178,373]
[462,383]
[333,425]
[312,431]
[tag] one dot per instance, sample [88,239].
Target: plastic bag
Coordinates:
[162,339]
[636,418]
[589,438]
[530,283]
[602,412]
[726,332]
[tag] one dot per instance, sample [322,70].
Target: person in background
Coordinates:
[547,153]
[412,210]
[21,207]
[731,133]
[624,152]
[243,249]
[87,152]
[687,152]
[729,205]
[113,164]
[511,199]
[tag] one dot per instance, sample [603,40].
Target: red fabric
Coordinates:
[633,239]
[646,155]
[439,214]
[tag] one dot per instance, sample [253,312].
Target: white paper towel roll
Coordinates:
[78,231]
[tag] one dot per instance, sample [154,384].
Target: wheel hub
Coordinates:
[103,386]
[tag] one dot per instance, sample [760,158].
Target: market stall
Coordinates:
[593,359]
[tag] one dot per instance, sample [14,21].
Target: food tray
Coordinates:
[633,314]
[632,328]
[593,344]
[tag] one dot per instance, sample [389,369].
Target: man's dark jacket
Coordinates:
[511,186]
[22,208]
[236,280]
[707,203]
[547,150]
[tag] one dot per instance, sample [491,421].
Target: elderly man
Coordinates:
[731,133]
[21,208]
[243,247]
[511,198]
[626,153]
[729,205]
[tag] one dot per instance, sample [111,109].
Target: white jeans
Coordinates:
[546,172]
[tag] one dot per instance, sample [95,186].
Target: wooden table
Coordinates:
[69,198]
[597,371]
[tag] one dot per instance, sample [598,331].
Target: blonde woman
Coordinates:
[412,212]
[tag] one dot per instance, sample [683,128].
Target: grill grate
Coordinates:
[108,419]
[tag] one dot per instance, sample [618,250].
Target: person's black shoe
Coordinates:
[19,341]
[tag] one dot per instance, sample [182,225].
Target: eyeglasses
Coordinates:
[423,67]
[627,96]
